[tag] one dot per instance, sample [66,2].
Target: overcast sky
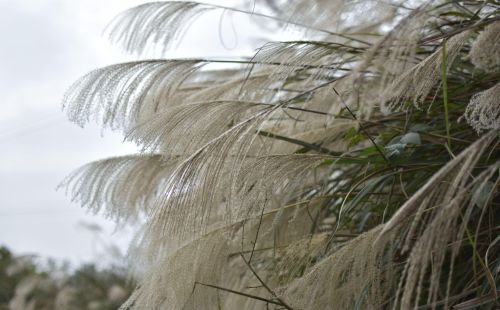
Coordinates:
[46,45]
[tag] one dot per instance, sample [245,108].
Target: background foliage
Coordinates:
[25,284]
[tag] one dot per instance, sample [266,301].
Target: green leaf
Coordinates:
[353,136]
[368,188]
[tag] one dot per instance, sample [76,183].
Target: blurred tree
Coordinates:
[24,286]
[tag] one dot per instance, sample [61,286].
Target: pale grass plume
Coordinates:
[201,260]
[485,51]
[320,59]
[241,86]
[120,95]
[179,215]
[288,174]
[213,260]
[121,188]
[156,23]
[483,110]
[184,129]
[389,56]
[417,83]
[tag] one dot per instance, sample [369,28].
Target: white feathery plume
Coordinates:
[483,110]
[211,188]
[211,177]
[395,52]
[179,279]
[390,56]
[291,65]
[172,281]
[291,131]
[485,51]
[319,58]
[251,190]
[121,95]
[186,128]
[417,82]
[160,23]
[249,87]
[185,208]
[124,187]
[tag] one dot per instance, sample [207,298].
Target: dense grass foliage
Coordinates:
[357,168]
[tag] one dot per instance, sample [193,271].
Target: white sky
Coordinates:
[45,46]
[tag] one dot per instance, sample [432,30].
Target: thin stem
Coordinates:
[292,23]
[475,254]
[445,94]
[240,293]
[306,145]
[270,63]
[256,234]
[363,128]
[264,284]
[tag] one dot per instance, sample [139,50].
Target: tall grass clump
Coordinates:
[357,168]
